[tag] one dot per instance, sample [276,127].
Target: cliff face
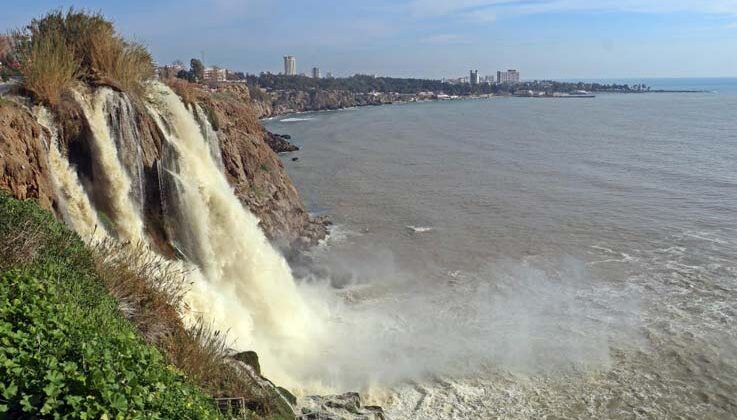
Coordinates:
[23,163]
[256,172]
[252,168]
[284,102]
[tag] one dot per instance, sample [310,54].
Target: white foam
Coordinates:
[296,119]
[420,229]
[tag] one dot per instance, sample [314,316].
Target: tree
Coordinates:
[197,69]
[186,75]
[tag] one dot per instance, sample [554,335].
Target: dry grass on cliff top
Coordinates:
[63,47]
[189,92]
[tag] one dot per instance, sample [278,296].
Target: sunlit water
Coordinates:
[540,257]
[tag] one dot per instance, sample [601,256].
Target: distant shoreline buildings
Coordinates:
[215,74]
[509,76]
[474,77]
[290,65]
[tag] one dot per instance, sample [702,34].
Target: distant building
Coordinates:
[329,75]
[315,72]
[509,76]
[290,65]
[474,77]
[215,74]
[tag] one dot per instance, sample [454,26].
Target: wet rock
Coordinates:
[250,358]
[279,144]
[339,407]
[287,395]
[294,159]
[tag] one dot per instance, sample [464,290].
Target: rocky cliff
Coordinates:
[251,166]
[24,170]
[284,102]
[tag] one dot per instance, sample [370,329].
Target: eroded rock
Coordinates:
[339,407]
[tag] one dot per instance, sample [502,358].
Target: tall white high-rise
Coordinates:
[509,76]
[315,72]
[290,65]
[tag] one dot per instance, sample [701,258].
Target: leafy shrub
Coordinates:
[65,349]
[62,357]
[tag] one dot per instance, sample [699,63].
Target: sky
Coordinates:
[544,39]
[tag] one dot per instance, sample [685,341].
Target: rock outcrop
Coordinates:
[279,143]
[339,407]
[284,102]
[24,167]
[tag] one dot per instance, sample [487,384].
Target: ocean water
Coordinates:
[532,258]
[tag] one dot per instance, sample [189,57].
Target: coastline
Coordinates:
[289,112]
[281,111]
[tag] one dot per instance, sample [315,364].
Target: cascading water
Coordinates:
[210,136]
[116,184]
[249,290]
[75,205]
[121,123]
[240,282]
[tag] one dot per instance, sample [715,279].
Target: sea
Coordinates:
[531,257]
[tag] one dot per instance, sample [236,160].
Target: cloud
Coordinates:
[444,39]
[480,16]
[463,8]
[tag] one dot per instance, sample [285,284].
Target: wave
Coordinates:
[419,229]
[296,119]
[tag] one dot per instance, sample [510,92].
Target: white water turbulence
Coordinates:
[210,136]
[246,287]
[76,208]
[115,180]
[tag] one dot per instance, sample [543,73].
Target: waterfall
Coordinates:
[239,281]
[123,129]
[210,136]
[111,178]
[246,286]
[75,205]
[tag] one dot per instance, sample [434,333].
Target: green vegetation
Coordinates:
[62,47]
[93,331]
[65,347]
[364,84]
[197,69]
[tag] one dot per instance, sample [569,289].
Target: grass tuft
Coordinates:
[62,47]
[49,67]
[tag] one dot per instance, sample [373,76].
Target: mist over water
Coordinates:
[520,258]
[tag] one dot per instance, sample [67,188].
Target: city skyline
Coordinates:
[549,39]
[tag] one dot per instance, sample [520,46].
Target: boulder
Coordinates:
[250,358]
[339,407]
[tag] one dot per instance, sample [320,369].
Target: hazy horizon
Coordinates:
[544,39]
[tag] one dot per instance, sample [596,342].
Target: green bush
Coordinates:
[65,349]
